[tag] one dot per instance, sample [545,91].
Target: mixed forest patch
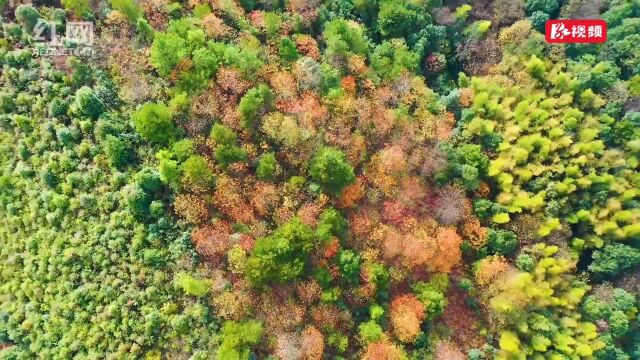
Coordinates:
[306,179]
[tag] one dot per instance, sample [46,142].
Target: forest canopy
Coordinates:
[319,179]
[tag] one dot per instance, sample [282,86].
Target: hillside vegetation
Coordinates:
[307,180]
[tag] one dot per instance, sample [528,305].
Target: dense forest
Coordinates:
[319,179]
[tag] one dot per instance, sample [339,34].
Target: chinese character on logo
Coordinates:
[80,33]
[595,31]
[575,31]
[579,31]
[559,31]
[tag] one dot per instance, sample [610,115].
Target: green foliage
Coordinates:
[226,151]
[145,31]
[618,310]
[201,10]
[613,259]
[501,242]
[330,169]
[94,264]
[222,135]
[86,103]
[154,123]
[192,286]
[166,51]
[432,295]
[370,331]
[196,174]
[538,307]
[280,257]
[525,262]
[345,39]
[478,29]
[399,19]
[392,59]
[555,124]
[550,7]
[255,103]
[70,240]
[268,167]
[236,339]
[484,208]
[119,151]
[331,223]
[538,20]
[273,22]
[349,264]
[469,163]
[79,7]
[129,8]
[27,16]
[287,50]
[227,155]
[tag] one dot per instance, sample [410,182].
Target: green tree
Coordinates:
[330,169]
[79,7]
[501,242]
[392,59]
[236,339]
[282,256]
[191,285]
[287,50]
[370,331]
[469,163]
[400,19]
[129,8]
[226,152]
[166,51]
[154,123]
[268,167]
[27,16]
[613,259]
[86,103]
[550,7]
[196,174]
[254,104]
[119,151]
[349,264]
[344,39]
